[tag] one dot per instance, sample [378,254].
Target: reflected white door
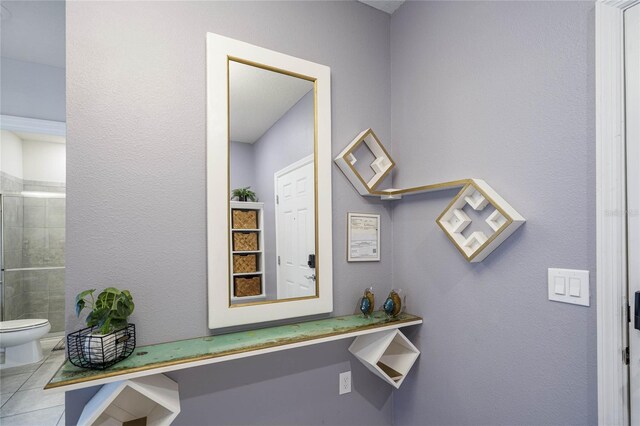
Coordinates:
[632,110]
[295,229]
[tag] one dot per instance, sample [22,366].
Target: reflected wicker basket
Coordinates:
[244,263]
[247,286]
[244,219]
[245,241]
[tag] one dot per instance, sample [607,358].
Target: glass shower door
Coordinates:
[33,235]
[12,231]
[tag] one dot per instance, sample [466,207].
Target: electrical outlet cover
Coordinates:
[345,383]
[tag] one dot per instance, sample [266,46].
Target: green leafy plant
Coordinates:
[109,311]
[244,194]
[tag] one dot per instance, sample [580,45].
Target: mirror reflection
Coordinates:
[272,219]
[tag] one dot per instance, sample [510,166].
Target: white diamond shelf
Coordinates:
[155,398]
[388,354]
[381,165]
[504,220]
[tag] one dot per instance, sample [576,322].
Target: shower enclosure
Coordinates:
[32,261]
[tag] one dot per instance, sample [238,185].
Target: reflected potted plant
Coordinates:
[244,194]
[109,337]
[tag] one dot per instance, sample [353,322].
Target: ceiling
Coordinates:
[33,31]
[258,98]
[40,137]
[388,6]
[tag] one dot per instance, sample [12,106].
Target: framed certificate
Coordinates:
[363,237]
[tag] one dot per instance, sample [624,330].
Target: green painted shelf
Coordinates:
[164,357]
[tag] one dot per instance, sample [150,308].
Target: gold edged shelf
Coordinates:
[381,166]
[503,221]
[454,221]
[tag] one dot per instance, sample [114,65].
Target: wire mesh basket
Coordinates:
[89,349]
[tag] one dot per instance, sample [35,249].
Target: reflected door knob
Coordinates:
[311,277]
[636,313]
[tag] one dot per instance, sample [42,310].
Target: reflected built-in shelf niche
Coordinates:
[474,246]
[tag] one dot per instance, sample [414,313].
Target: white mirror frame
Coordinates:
[221,312]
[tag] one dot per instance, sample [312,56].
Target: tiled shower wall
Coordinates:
[9,183]
[36,185]
[35,238]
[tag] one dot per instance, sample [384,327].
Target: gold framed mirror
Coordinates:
[272,176]
[269,163]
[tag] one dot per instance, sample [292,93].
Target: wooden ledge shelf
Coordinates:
[164,357]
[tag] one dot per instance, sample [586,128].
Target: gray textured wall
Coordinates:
[505,92]
[32,90]
[479,90]
[136,184]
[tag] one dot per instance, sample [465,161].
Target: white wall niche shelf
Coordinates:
[496,220]
[476,193]
[476,200]
[456,220]
[155,398]
[474,241]
[388,354]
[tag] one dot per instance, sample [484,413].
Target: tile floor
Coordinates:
[22,399]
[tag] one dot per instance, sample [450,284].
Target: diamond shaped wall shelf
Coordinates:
[503,220]
[388,354]
[474,246]
[381,165]
[154,398]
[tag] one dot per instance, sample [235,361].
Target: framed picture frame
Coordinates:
[363,237]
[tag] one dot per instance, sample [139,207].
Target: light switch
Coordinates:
[560,285]
[574,287]
[568,286]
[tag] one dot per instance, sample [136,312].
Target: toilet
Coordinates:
[20,340]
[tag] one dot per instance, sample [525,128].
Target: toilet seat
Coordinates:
[20,340]
[23,324]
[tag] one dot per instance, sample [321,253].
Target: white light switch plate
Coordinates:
[569,286]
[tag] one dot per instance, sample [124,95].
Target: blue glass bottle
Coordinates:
[393,305]
[367,302]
